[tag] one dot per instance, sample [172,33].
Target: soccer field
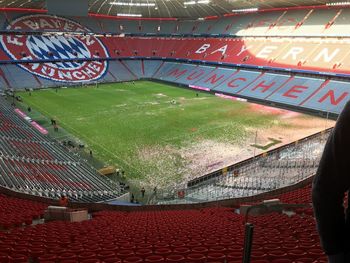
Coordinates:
[155,132]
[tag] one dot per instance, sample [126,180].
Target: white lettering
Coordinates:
[294,52]
[78,75]
[48,71]
[325,54]
[31,24]
[89,72]
[202,49]
[45,24]
[68,27]
[14,40]
[57,23]
[88,40]
[94,66]
[222,50]
[243,49]
[266,51]
[64,75]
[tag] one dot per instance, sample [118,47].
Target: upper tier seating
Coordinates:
[30,162]
[300,22]
[317,55]
[328,55]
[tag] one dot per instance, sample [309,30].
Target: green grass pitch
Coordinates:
[141,127]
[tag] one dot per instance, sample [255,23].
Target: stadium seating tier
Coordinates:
[213,234]
[33,163]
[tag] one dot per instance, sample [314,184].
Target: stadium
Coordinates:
[178,131]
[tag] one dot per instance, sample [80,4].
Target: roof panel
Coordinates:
[171,8]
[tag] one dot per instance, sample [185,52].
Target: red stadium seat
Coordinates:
[216,257]
[143,252]
[112,260]
[182,251]
[122,254]
[90,260]
[200,250]
[133,259]
[86,255]
[47,257]
[196,258]
[175,258]
[155,258]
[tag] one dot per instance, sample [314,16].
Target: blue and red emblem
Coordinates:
[53,46]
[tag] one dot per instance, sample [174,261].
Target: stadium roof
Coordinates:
[187,9]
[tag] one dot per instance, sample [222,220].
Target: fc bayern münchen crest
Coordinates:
[56,47]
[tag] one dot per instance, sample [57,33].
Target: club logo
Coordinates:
[51,46]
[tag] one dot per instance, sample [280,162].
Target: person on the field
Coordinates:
[331,183]
[143,192]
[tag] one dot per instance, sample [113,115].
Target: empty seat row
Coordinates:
[309,21]
[213,234]
[32,163]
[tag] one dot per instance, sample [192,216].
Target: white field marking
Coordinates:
[121,90]
[150,113]
[150,103]
[119,105]
[92,142]
[161,95]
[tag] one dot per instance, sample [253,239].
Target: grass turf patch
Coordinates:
[140,127]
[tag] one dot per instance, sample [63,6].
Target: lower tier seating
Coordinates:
[325,95]
[16,212]
[213,234]
[31,162]
[314,94]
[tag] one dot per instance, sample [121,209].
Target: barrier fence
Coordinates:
[278,168]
